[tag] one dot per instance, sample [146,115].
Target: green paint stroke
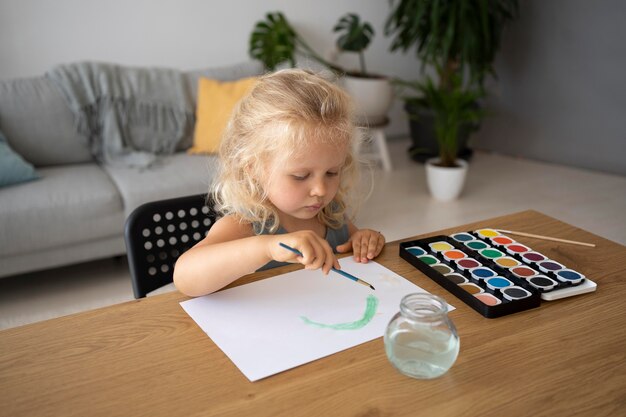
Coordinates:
[370,310]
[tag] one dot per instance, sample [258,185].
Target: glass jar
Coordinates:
[421,340]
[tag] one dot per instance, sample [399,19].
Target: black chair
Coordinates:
[157,233]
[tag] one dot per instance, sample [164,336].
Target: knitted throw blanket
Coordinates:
[130,115]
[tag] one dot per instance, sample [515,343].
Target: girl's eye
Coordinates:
[300,177]
[332,174]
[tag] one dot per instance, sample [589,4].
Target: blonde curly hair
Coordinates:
[285,112]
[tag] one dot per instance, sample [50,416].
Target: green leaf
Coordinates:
[356,36]
[465,33]
[454,109]
[273,41]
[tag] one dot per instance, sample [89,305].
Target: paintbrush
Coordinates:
[339,271]
[554,239]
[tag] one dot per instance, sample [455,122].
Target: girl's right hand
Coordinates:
[316,252]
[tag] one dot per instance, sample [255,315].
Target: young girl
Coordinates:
[287,166]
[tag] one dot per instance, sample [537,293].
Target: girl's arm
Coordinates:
[231,250]
[365,243]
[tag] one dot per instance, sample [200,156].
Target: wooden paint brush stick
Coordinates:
[554,239]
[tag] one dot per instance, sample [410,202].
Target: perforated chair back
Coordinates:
[157,233]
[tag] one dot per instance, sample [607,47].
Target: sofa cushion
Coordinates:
[225,73]
[173,176]
[68,204]
[216,101]
[38,124]
[13,168]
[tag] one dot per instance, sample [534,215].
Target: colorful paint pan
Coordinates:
[453,255]
[462,237]
[416,251]
[487,232]
[501,240]
[476,244]
[471,288]
[523,271]
[428,259]
[502,283]
[482,272]
[467,263]
[442,268]
[456,278]
[515,293]
[507,262]
[497,283]
[516,248]
[488,299]
[542,282]
[569,275]
[533,257]
[440,246]
[550,266]
[490,253]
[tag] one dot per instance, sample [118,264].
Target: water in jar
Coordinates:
[422,351]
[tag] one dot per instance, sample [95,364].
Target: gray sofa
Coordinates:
[76,211]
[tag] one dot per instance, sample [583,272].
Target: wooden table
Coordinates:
[147,357]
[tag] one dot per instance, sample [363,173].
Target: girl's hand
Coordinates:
[316,252]
[365,243]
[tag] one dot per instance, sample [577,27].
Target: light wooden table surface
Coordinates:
[148,357]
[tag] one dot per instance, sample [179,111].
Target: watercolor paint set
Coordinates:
[492,273]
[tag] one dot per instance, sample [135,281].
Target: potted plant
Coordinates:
[455,38]
[372,93]
[274,41]
[454,109]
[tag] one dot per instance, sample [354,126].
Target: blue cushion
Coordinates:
[13,168]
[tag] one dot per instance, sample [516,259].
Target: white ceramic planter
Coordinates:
[445,184]
[372,97]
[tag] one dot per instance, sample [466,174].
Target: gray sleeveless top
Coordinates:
[334,237]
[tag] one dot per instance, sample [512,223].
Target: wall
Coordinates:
[561,94]
[187,34]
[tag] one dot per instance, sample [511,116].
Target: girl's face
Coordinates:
[302,186]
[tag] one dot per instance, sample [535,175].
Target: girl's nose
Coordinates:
[318,188]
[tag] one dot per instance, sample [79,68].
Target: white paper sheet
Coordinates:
[261,327]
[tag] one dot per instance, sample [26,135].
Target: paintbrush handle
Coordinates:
[554,239]
[339,271]
[352,277]
[289,248]
[345,274]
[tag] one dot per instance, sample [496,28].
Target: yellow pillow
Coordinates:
[216,101]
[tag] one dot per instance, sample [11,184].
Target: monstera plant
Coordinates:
[275,42]
[355,36]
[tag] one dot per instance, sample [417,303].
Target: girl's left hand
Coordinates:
[365,243]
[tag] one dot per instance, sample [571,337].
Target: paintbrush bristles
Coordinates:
[360,281]
[554,239]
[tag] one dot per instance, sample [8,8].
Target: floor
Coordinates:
[399,206]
